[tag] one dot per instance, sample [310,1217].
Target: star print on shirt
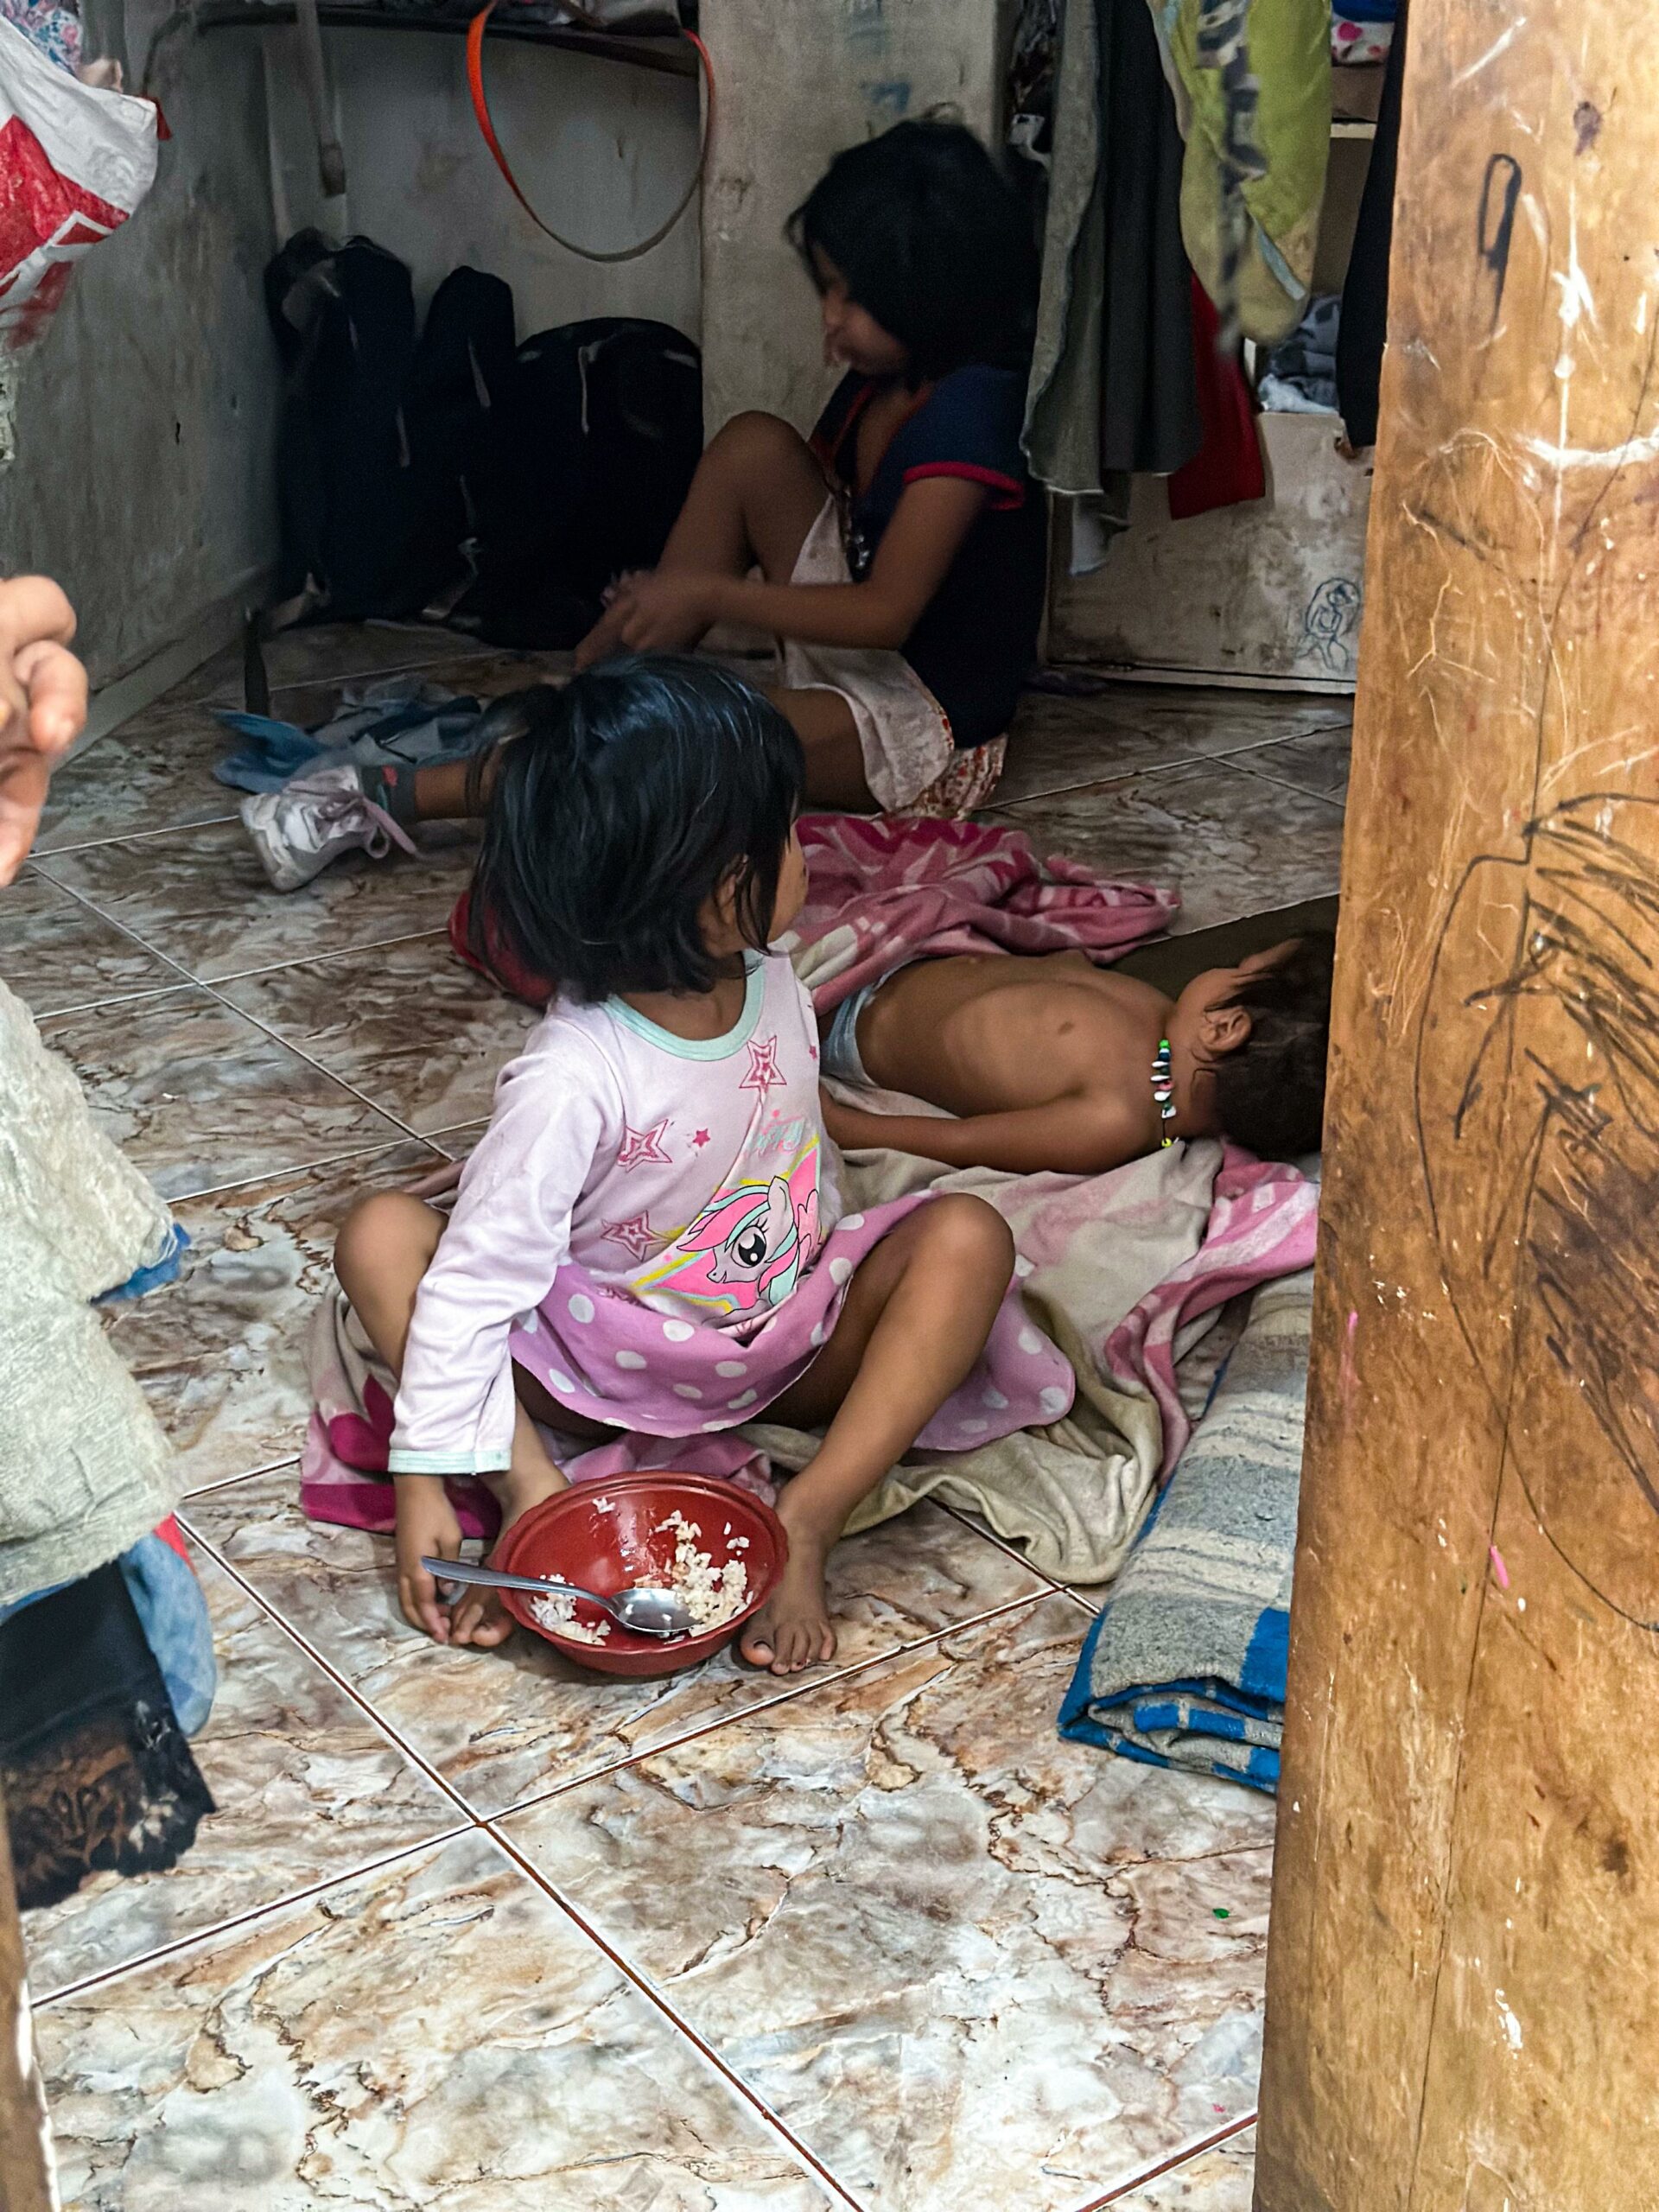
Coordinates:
[638,1145]
[636,1234]
[764,1070]
[701,1139]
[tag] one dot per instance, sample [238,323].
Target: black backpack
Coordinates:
[589,457]
[345,323]
[452,475]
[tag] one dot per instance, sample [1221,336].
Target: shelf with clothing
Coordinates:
[1258,578]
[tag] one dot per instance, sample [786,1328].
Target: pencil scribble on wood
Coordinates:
[1537,1110]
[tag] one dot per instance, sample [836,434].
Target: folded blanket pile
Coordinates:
[1185,1663]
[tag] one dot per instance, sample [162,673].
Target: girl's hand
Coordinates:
[426,1525]
[42,706]
[657,613]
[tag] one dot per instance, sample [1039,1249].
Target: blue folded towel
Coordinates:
[1184,1665]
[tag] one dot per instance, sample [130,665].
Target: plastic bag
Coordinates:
[75,162]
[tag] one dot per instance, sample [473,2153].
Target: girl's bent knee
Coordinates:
[755,431]
[971,1232]
[385,1226]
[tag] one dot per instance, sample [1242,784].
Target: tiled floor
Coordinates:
[483,1933]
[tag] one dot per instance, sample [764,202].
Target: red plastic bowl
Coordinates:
[608,1536]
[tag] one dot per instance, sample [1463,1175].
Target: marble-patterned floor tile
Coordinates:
[501,1727]
[968,1965]
[1057,743]
[407,1025]
[1222,2180]
[202,897]
[200,1096]
[58,955]
[307,1790]
[155,772]
[221,1352]
[1234,843]
[435,2033]
[323,653]
[1316,763]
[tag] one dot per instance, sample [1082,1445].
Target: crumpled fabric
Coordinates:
[398,721]
[1258,140]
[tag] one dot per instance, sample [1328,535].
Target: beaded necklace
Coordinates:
[1163,1088]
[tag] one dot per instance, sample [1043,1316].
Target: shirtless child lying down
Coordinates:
[1049,1062]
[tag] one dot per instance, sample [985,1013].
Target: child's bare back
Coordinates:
[1049,1062]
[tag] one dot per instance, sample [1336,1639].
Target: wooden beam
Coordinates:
[1465,1932]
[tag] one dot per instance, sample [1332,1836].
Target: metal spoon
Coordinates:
[645,1611]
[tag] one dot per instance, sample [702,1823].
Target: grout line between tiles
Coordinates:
[227,1482]
[124,836]
[1088,778]
[1284,783]
[1171,2165]
[314,960]
[783,1696]
[244,1919]
[99,1005]
[675,2020]
[121,928]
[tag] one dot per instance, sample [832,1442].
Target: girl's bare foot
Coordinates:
[793,1629]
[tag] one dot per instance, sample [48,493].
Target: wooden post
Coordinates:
[1464,1951]
[28,2181]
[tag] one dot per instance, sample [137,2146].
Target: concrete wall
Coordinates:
[144,419]
[798,79]
[602,149]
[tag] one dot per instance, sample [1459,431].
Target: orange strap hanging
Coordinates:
[481,109]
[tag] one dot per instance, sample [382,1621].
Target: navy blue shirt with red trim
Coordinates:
[976,639]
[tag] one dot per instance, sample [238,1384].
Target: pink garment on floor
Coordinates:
[1263,1223]
[880,893]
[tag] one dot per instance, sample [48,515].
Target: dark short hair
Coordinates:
[933,241]
[1270,1090]
[621,804]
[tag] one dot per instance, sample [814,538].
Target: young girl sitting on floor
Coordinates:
[646,1238]
[901,551]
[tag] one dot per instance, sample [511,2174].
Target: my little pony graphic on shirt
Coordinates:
[748,1247]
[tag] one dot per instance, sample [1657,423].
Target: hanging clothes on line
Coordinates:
[1253,80]
[1112,389]
[1365,324]
[1228,469]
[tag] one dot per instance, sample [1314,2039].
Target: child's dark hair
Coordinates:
[934,243]
[621,804]
[1270,1092]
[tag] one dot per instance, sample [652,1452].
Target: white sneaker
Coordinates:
[312,819]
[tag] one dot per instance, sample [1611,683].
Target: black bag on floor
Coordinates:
[381,433]
[501,490]
[345,323]
[590,456]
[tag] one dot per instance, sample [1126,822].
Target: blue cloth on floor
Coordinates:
[164,1270]
[1184,1665]
[177,1626]
[396,722]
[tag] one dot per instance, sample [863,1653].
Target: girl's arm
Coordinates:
[508,1234]
[1079,1136]
[650,613]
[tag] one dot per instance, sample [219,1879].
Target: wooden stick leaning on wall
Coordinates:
[1464,1945]
[26,2179]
